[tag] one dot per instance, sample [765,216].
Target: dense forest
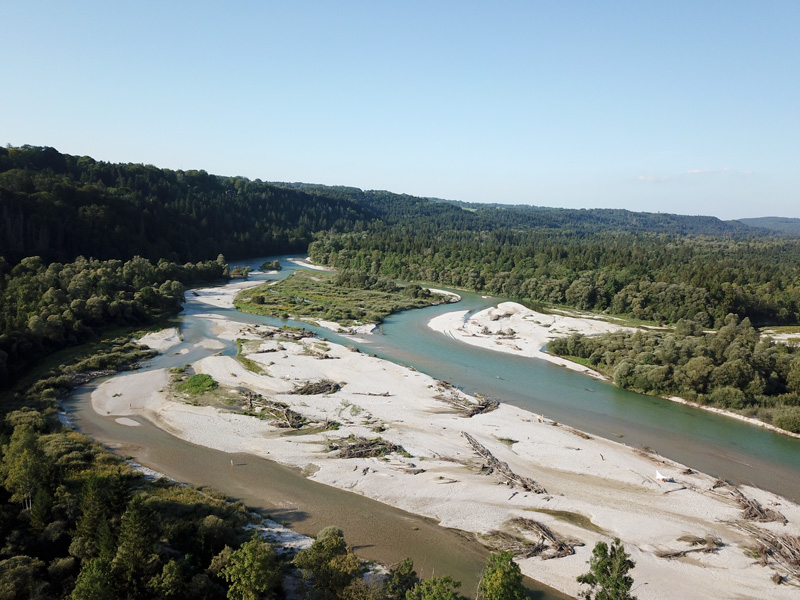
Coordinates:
[650,276]
[58,207]
[733,368]
[46,307]
[138,226]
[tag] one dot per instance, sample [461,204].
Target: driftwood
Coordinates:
[705,545]
[283,416]
[751,508]
[384,394]
[519,547]
[557,547]
[312,388]
[358,447]
[549,545]
[465,406]
[753,511]
[284,334]
[278,413]
[87,376]
[580,434]
[784,550]
[492,465]
[454,398]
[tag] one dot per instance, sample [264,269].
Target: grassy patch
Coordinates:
[197,384]
[570,517]
[315,296]
[247,363]
[577,359]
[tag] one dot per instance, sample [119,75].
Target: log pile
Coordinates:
[457,400]
[556,547]
[493,465]
[466,407]
[751,508]
[312,388]
[784,550]
[283,416]
[358,447]
[519,547]
[277,413]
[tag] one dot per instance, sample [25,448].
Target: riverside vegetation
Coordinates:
[347,298]
[733,368]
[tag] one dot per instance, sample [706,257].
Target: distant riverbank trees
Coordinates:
[654,267]
[653,277]
[59,206]
[732,368]
[48,306]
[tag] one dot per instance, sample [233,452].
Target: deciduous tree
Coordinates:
[608,577]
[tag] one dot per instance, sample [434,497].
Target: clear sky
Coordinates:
[686,107]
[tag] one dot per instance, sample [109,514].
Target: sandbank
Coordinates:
[307,264]
[512,328]
[596,489]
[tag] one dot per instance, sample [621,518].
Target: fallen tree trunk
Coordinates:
[526,483]
[558,548]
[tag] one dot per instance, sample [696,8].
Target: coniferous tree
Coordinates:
[136,560]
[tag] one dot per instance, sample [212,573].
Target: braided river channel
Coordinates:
[715,444]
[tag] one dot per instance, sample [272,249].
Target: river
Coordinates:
[715,444]
[708,442]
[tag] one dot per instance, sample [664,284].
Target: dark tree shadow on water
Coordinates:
[538,591]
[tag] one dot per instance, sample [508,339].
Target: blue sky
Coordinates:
[684,107]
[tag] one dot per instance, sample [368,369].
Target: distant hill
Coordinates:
[608,219]
[782,224]
[58,207]
[474,216]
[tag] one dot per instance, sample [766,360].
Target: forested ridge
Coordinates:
[58,207]
[87,245]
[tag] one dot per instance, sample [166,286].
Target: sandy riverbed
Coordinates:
[512,328]
[611,486]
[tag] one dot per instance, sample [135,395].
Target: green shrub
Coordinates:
[197,384]
[788,418]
